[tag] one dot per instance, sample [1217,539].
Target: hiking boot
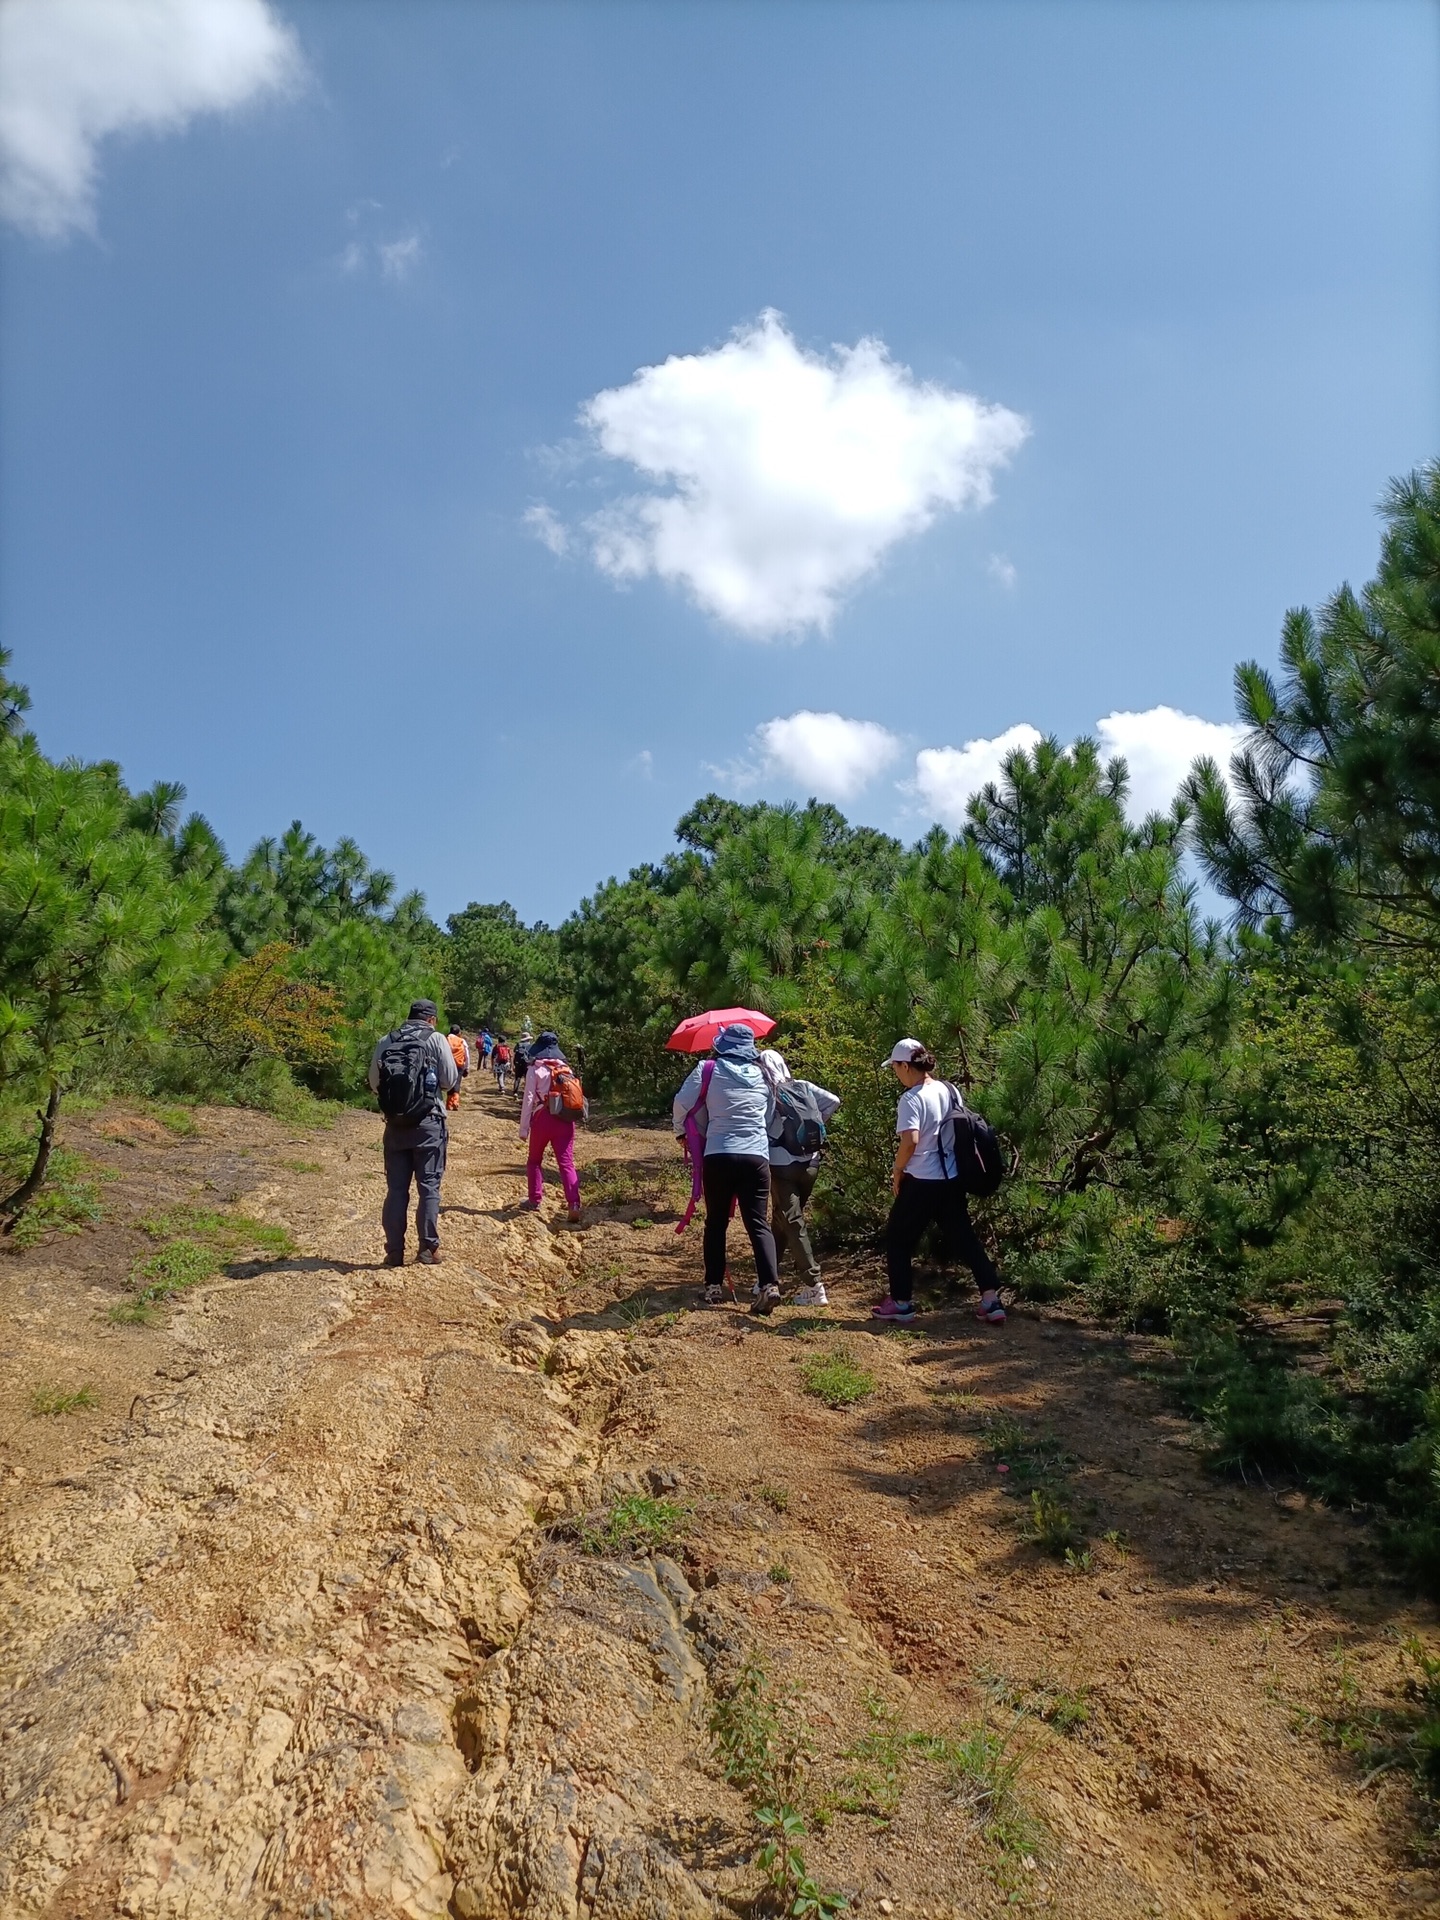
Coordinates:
[573,1216]
[712,1296]
[766,1300]
[990,1309]
[894,1310]
[529,1206]
[393,1260]
[815,1296]
[429,1257]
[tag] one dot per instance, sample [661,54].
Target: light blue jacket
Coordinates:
[738,1101]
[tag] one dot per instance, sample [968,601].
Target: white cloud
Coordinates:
[820,753]
[792,474]
[399,258]
[642,765]
[548,529]
[1002,570]
[73,72]
[946,777]
[1160,746]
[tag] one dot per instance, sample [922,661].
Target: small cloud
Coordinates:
[353,258]
[399,258]
[818,753]
[947,777]
[642,766]
[784,477]
[548,529]
[1160,746]
[1002,570]
[76,72]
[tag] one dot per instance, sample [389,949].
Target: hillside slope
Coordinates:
[334,1602]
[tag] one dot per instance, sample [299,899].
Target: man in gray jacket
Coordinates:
[415,1142]
[792,1181]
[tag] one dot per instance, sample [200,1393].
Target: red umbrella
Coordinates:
[697,1034]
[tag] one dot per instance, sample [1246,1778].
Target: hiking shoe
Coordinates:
[429,1257]
[573,1216]
[393,1260]
[530,1206]
[894,1310]
[712,1296]
[992,1311]
[815,1296]
[766,1300]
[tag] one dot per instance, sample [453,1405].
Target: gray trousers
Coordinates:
[418,1154]
[790,1190]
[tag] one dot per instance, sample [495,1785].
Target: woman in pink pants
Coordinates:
[542,1129]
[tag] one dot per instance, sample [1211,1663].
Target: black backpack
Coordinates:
[802,1131]
[971,1146]
[408,1081]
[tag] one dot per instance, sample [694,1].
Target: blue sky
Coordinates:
[283,389]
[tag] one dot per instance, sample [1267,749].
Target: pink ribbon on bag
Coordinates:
[694,1144]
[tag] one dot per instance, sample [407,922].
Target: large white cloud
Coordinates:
[74,71]
[1160,746]
[822,753]
[946,777]
[790,474]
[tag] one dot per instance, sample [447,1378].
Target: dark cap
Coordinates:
[422,1009]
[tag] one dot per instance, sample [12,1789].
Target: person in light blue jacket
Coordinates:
[737,1160]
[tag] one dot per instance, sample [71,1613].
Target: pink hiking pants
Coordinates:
[547,1131]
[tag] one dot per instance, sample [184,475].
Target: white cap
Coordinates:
[903,1052]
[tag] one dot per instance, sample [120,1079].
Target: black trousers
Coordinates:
[918,1203]
[418,1154]
[790,1191]
[745,1178]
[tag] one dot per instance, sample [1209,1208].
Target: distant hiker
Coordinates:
[927,1188]
[553,1101]
[736,1165]
[500,1058]
[799,1114]
[460,1049]
[411,1071]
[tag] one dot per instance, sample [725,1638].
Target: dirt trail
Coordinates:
[295,1626]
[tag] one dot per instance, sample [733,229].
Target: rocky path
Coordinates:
[300,1618]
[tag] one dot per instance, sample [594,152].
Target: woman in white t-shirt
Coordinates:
[926,1190]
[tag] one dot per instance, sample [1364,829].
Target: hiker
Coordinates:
[501,1058]
[460,1048]
[792,1174]
[736,1166]
[411,1071]
[928,1189]
[553,1101]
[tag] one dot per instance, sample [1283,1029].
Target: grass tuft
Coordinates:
[637,1524]
[50,1402]
[836,1379]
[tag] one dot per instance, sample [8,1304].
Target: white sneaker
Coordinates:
[815,1296]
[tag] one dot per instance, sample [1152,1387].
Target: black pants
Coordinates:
[790,1190]
[418,1154]
[744,1177]
[918,1203]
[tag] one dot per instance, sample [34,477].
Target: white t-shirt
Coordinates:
[924,1109]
